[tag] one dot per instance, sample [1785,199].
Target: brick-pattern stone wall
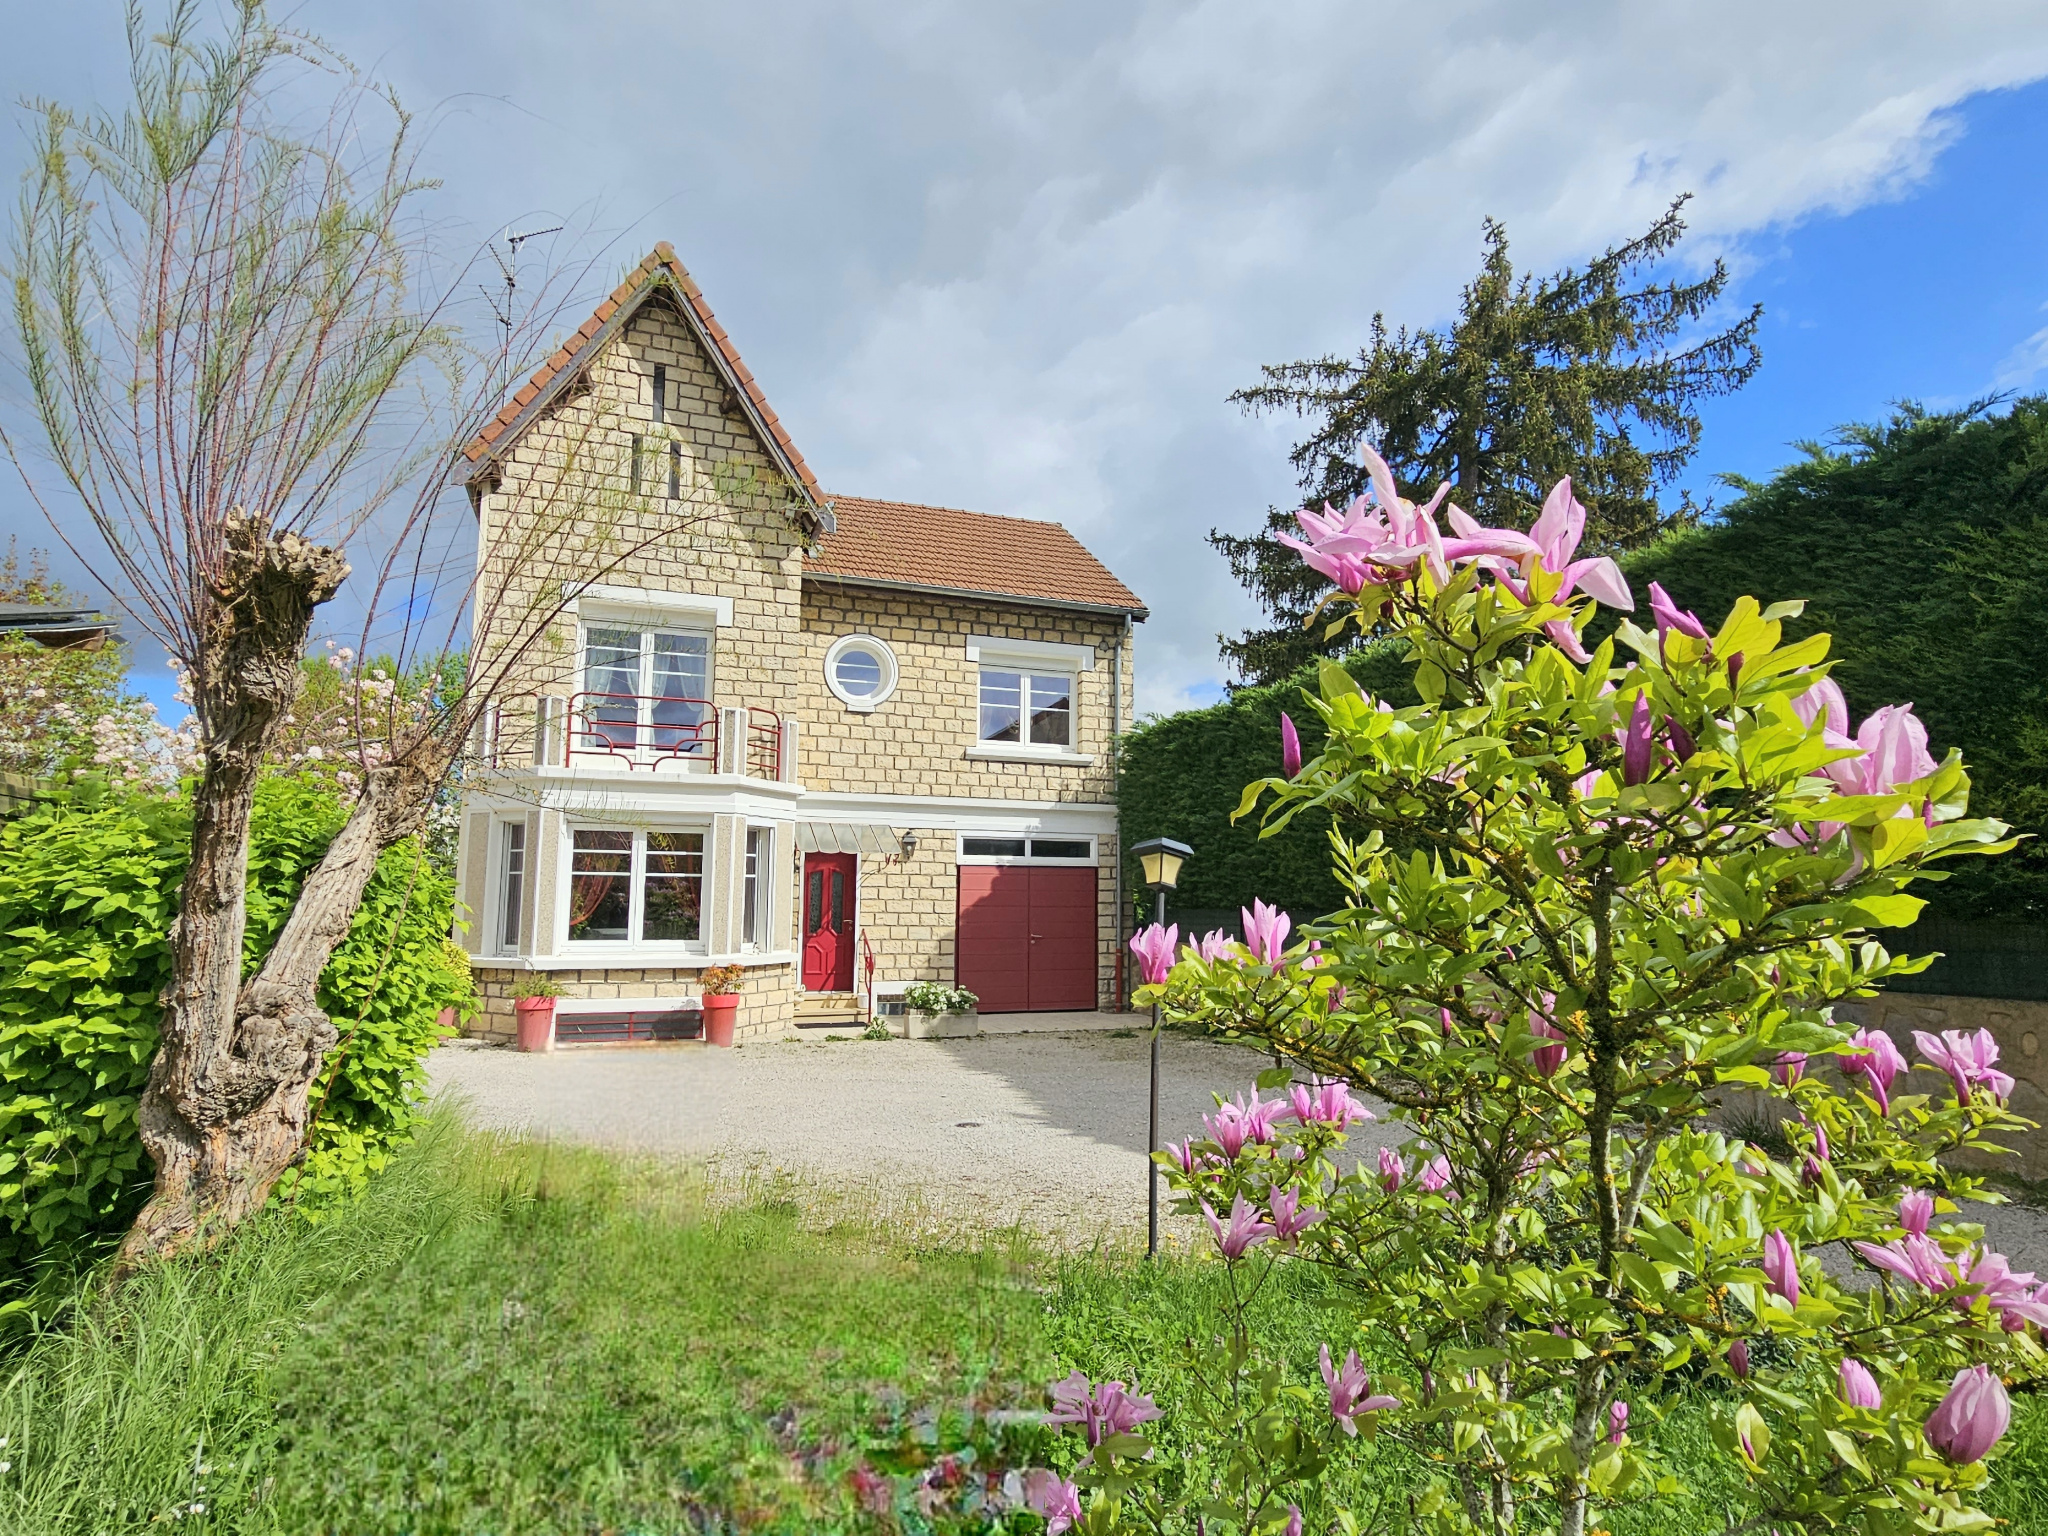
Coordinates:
[767,1000]
[565,510]
[915,742]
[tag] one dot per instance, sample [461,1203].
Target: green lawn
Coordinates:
[507,1338]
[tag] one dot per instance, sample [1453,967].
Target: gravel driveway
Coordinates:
[1047,1129]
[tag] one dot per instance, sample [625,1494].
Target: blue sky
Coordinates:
[1940,296]
[1016,258]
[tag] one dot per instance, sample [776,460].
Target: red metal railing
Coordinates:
[643,731]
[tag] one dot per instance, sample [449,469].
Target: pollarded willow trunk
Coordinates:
[211,1079]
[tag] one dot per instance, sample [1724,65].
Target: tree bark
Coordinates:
[207,1112]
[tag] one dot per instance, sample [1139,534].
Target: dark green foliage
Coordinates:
[1182,776]
[88,890]
[1922,547]
[1575,374]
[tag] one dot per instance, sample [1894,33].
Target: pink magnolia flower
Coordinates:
[1916,1210]
[1350,1390]
[1289,1220]
[1184,1154]
[1971,1418]
[1290,746]
[1556,537]
[1967,1059]
[1154,948]
[1214,945]
[1055,1497]
[1617,1421]
[1293,1526]
[1099,1412]
[1818,1158]
[1387,531]
[1894,744]
[1636,743]
[2013,1296]
[1243,1120]
[1876,1059]
[1738,1359]
[1327,1103]
[1916,1257]
[1392,1170]
[1789,1067]
[1546,1059]
[1436,1173]
[1859,1387]
[1824,702]
[1245,1231]
[1265,931]
[1781,1267]
[1670,616]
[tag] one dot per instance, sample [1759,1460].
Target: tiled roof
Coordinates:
[661,261]
[899,544]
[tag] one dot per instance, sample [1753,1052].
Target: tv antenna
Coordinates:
[509,265]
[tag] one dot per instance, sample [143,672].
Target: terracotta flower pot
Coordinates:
[536,1023]
[720,1013]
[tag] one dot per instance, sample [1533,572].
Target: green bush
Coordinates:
[88,891]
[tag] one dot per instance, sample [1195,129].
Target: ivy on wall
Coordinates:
[88,890]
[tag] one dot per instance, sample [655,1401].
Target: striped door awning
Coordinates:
[872,837]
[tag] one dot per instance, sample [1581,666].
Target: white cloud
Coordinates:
[1015,258]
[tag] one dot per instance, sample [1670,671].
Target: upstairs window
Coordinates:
[645,692]
[1027,708]
[660,394]
[675,471]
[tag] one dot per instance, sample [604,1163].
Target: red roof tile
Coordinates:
[900,544]
[660,262]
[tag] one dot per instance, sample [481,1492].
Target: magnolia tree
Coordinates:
[1592,896]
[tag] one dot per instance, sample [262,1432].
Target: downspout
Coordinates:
[1116,759]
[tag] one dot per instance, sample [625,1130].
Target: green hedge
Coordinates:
[88,890]
[1921,546]
[1182,776]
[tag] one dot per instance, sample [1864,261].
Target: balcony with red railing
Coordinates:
[661,734]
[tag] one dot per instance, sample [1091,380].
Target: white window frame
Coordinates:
[879,649]
[636,906]
[962,856]
[1029,751]
[757,888]
[647,626]
[504,903]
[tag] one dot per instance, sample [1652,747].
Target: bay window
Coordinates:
[636,887]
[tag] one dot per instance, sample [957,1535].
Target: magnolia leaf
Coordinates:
[1333,681]
[1847,1449]
[1751,1428]
[1895,911]
[1791,608]
[1251,794]
[1275,1077]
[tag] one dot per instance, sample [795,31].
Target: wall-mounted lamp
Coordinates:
[909,845]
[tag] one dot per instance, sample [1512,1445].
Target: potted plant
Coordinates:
[934,1011]
[721,1001]
[534,1002]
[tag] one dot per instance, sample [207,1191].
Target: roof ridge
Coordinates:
[516,413]
[939,506]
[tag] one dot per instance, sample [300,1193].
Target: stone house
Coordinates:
[846,744]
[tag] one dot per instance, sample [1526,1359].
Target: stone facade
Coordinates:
[608,502]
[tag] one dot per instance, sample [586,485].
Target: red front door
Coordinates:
[828,922]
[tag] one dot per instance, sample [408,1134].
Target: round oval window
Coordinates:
[859,673]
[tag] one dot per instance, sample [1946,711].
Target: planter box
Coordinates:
[940,1026]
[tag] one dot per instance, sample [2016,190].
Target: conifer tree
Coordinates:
[1593,372]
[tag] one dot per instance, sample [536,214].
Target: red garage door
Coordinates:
[1026,936]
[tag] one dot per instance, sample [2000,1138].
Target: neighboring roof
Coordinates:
[659,270]
[58,627]
[974,554]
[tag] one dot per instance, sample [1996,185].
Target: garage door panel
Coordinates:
[1063,923]
[993,936]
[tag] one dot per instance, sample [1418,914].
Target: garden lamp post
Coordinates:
[1161,859]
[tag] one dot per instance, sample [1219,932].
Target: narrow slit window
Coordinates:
[513,885]
[639,465]
[754,917]
[660,394]
[675,471]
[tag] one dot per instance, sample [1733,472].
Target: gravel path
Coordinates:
[1047,1129]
